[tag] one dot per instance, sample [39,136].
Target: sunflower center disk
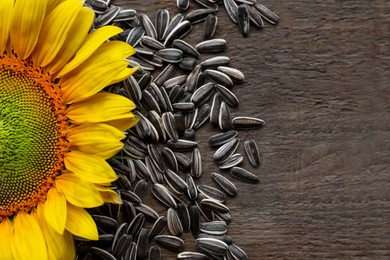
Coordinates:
[31,138]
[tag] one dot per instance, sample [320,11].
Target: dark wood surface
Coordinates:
[321,81]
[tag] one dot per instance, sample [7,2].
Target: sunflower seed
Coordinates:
[182,29]
[234,74]
[185,47]
[243,19]
[212,245]
[166,74]
[169,125]
[108,16]
[214,112]
[187,63]
[142,244]
[212,193]
[118,234]
[162,194]
[190,85]
[187,255]
[214,62]
[175,182]
[189,134]
[123,181]
[247,123]
[150,42]
[233,160]
[255,16]
[161,23]
[216,227]
[122,245]
[182,145]
[189,119]
[156,121]
[125,15]
[213,45]
[173,82]
[156,157]
[150,102]
[174,224]
[158,227]
[171,55]
[130,196]
[231,9]
[183,4]
[196,166]
[214,205]
[180,197]
[135,225]
[227,95]
[170,159]
[167,102]
[237,252]
[142,171]
[145,80]
[179,122]
[225,238]
[243,175]
[101,253]
[141,188]
[252,152]
[192,190]
[267,14]
[105,223]
[132,88]
[184,106]
[221,138]
[210,26]
[171,243]
[226,150]
[131,252]
[202,94]
[225,184]
[176,20]
[144,50]
[176,94]
[155,173]
[154,253]
[152,60]
[148,26]
[202,116]
[224,120]
[195,220]
[135,35]
[199,15]
[147,211]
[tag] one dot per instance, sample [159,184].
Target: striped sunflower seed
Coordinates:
[231,9]
[234,74]
[222,138]
[182,29]
[212,246]
[210,26]
[183,4]
[227,95]
[243,175]
[161,23]
[216,227]
[213,45]
[188,255]
[148,26]
[247,123]
[185,47]
[175,226]
[195,220]
[170,159]
[171,55]
[211,193]
[169,125]
[169,242]
[252,152]
[233,160]
[161,193]
[192,190]
[243,19]
[225,151]
[154,253]
[196,166]
[199,15]
[158,227]
[237,252]
[267,14]
[255,16]
[224,119]
[214,205]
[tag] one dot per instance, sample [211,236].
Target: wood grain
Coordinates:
[321,81]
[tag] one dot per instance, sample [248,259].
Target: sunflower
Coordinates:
[57,126]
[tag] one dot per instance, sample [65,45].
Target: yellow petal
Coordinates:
[109,195]
[55,210]
[74,39]
[6,15]
[59,247]
[80,223]
[28,241]
[6,231]
[100,139]
[90,45]
[78,192]
[26,24]
[55,30]
[101,107]
[124,123]
[89,168]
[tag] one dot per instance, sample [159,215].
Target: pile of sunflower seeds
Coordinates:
[176,93]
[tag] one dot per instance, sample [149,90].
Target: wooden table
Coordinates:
[321,81]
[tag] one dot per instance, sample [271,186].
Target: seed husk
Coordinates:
[243,175]
[150,42]
[135,35]
[255,16]
[135,225]
[187,63]
[224,119]
[212,193]
[192,190]
[176,20]
[225,151]
[267,14]
[170,159]
[236,75]
[199,15]
[202,116]
[169,242]
[210,26]
[196,166]
[182,29]
[247,123]
[182,145]
[216,227]
[252,152]
[183,161]
[214,205]
[171,55]
[183,4]
[169,125]
[212,245]
[219,77]
[195,220]
[227,95]
[158,227]
[202,94]
[101,253]
[162,194]
[188,255]
[231,9]
[212,45]
[161,23]
[184,106]
[184,215]
[149,213]
[154,253]
[225,184]
[174,82]
[175,181]
[214,62]
[243,19]
[148,26]
[185,47]
[174,223]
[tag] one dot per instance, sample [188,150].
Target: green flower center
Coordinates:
[32,136]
